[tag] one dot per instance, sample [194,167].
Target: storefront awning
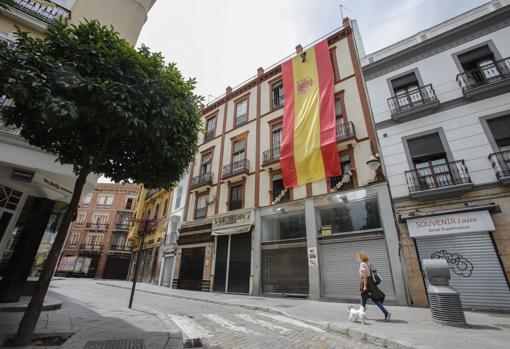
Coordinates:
[241,229]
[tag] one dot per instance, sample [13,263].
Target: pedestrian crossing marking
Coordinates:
[228,324]
[190,328]
[263,323]
[291,321]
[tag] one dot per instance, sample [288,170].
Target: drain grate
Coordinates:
[134,343]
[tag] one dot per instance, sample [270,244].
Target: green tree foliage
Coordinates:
[101,106]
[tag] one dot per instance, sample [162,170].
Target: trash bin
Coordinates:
[444,300]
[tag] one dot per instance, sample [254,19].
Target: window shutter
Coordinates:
[500,128]
[408,79]
[425,146]
[475,54]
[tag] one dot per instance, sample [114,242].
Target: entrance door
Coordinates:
[285,270]
[192,268]
[116,267]
[233,262]
[475,269]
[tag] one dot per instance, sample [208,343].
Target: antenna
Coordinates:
[342,12]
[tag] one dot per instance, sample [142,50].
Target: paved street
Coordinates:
[218,326]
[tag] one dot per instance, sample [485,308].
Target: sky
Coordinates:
[221,43]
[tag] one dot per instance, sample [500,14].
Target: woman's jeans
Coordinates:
[380,304]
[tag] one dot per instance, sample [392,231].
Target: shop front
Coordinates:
[192,269]
[465,241]
[233,245]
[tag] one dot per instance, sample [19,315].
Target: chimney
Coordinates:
[228,90]
[299,49]
[346,22]
[260,71]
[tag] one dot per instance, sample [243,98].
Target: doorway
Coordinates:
[233,262]
[192,268]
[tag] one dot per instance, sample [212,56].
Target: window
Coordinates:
[210,128]
[87,199]
[178,197]
[74,239]
[480,67]
[80,219]
[100,218]
[236,197]
[122,220]
[105,200]
[129,203]
[276,139]
[241,112]
[277,95]
[406,90]
[345,165]
[94,240]
[206,164]
[334,63]
[165,208]
[284,227]
[238,150]
[201,209]
[500,130]
[351,216]
[339,112]
[277,188]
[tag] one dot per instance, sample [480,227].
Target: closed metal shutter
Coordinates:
[168,267]
[340,270]
[474,268]
[285,270]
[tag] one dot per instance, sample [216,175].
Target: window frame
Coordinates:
[489,43]
[204,153]
[444,142]
[488,132]
[197,198]
[231,185]
[244,98]
[271,84]
[208,118]
[178,197]
[107,196]
[271,192]
[334,64]
[390,80]
[241,137]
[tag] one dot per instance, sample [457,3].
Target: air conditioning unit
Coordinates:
[210,199]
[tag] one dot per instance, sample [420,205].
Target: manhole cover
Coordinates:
[134,343]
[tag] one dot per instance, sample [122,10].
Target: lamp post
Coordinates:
[141,233]
[375,165]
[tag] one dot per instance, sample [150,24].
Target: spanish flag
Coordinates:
[308,150]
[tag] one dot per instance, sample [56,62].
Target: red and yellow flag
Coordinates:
[308,150]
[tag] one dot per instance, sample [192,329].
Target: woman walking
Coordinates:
[368,288]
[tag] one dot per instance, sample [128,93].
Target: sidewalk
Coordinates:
[409,327]
[93,323]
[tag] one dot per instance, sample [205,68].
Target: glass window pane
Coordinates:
[284,227]
[352,216]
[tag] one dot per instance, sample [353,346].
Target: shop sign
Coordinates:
[326,230]
[233,220]
[456,223]
[312,256]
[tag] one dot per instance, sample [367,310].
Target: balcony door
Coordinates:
[236,197]
[276,140]
[238,155]
[479,65]
[206,164]
[407,91]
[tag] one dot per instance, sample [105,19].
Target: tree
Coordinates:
[101,106]
[4,4]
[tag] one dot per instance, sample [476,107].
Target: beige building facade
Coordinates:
[244,233]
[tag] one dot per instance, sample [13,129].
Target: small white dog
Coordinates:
[357,314]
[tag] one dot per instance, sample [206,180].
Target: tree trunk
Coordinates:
[29,321]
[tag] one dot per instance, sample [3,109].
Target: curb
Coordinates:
[173,331]
[382,341]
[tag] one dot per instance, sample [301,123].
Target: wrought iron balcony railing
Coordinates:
[412,99]
[98,226]
[201,213]
[45,12]
[120,247]
[345,130]
[122,226]
[484,75]
[237,167]
[440,176]
[501,164]
[284,198]
[271,155]
[201,180]
[235,205]
[91,247]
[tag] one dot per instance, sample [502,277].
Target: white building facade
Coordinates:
[441,105]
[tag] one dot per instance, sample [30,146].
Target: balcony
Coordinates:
[46,13]
[122,226]
[487,80]
[120,248]
[209,135]
[201,180]
[236,168]
[201,213]
[439,181]
[271,155]
[501,164]
[97,226]
[413,103]
[280,196]
[345,131]
[235,205]
[334,182]
[96,248]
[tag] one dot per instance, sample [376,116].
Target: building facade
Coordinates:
[244,233]
[34,188]
[98,238]
[440,101]
[152,216]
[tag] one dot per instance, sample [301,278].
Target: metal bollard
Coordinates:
[445,304]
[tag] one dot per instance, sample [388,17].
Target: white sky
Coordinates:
[223,42]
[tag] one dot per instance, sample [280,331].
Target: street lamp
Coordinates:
[373,163]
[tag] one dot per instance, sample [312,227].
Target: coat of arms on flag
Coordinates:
[308,150]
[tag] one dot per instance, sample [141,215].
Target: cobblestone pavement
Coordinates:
[218,326]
